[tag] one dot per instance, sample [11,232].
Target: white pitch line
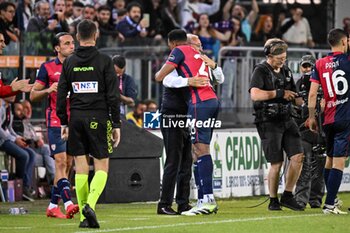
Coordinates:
[15,228]
[201,223]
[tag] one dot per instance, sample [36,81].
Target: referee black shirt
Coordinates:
[89,78]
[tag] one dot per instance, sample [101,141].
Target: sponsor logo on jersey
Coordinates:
[171,57]
[83,69]
[85,87]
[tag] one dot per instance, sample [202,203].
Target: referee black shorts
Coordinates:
[279,136]
[90,136]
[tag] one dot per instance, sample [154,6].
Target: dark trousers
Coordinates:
[310,186]
[177,167]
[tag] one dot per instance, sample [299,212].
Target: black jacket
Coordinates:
[96,87]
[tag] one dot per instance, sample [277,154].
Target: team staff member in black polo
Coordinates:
[272,90]
[94,124]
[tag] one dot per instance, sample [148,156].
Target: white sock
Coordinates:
[329,206]
[51,206]
[207,198]
[66,204]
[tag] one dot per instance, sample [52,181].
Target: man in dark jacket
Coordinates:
[94,121]
[127,86]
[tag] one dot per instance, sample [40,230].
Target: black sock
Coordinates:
[287,194]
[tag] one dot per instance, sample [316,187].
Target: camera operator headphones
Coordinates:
[267,48]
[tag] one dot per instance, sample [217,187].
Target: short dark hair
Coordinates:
[78,4]
[4,5]
[86,29]
[177,35]
[335,35]
[133,4]
[56,39]
[104,8]
[119,61]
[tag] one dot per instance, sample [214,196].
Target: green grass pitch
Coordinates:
[233,216]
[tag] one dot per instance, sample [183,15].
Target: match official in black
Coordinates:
[94,125]
[272,90]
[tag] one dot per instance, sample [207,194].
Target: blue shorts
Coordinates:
[205,111]
[57,145]
[338,139]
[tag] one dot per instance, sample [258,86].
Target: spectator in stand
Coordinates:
[209,36]
[127,86]
[68,14]
[89,12]
[116,6]
[299,33]
[43,27]
[169,17]
[23,127]
[16,146]
[60,14]
[133,26]
[263,30]
[346,24]
[7,14]
[190,9]
[231,9]
[151,105]
[108,34]
[237,37]
[24,12]
[153,9]
[136,117]
[78,8]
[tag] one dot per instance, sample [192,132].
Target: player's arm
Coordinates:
[173,80]
[164,71]
[312,99]
[39,91]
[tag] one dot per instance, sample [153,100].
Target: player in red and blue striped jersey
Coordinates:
[203,106]
[46,86]
[333,74]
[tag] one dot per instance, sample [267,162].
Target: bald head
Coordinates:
[195,42]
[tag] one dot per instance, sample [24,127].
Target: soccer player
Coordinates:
[15,86]
[333,74]
[203,105]
[46,86]
[94,124]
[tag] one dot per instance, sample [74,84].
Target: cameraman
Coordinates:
[310,186]
[272,90]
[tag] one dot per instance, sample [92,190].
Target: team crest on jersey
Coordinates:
[85,87]
[53,147]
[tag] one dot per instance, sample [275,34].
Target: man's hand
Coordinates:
[64,133]
[198,81]
[21,142]
[312,124]
[209,62]
[52,88]
[115,137]
[289,95]
[17,85]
